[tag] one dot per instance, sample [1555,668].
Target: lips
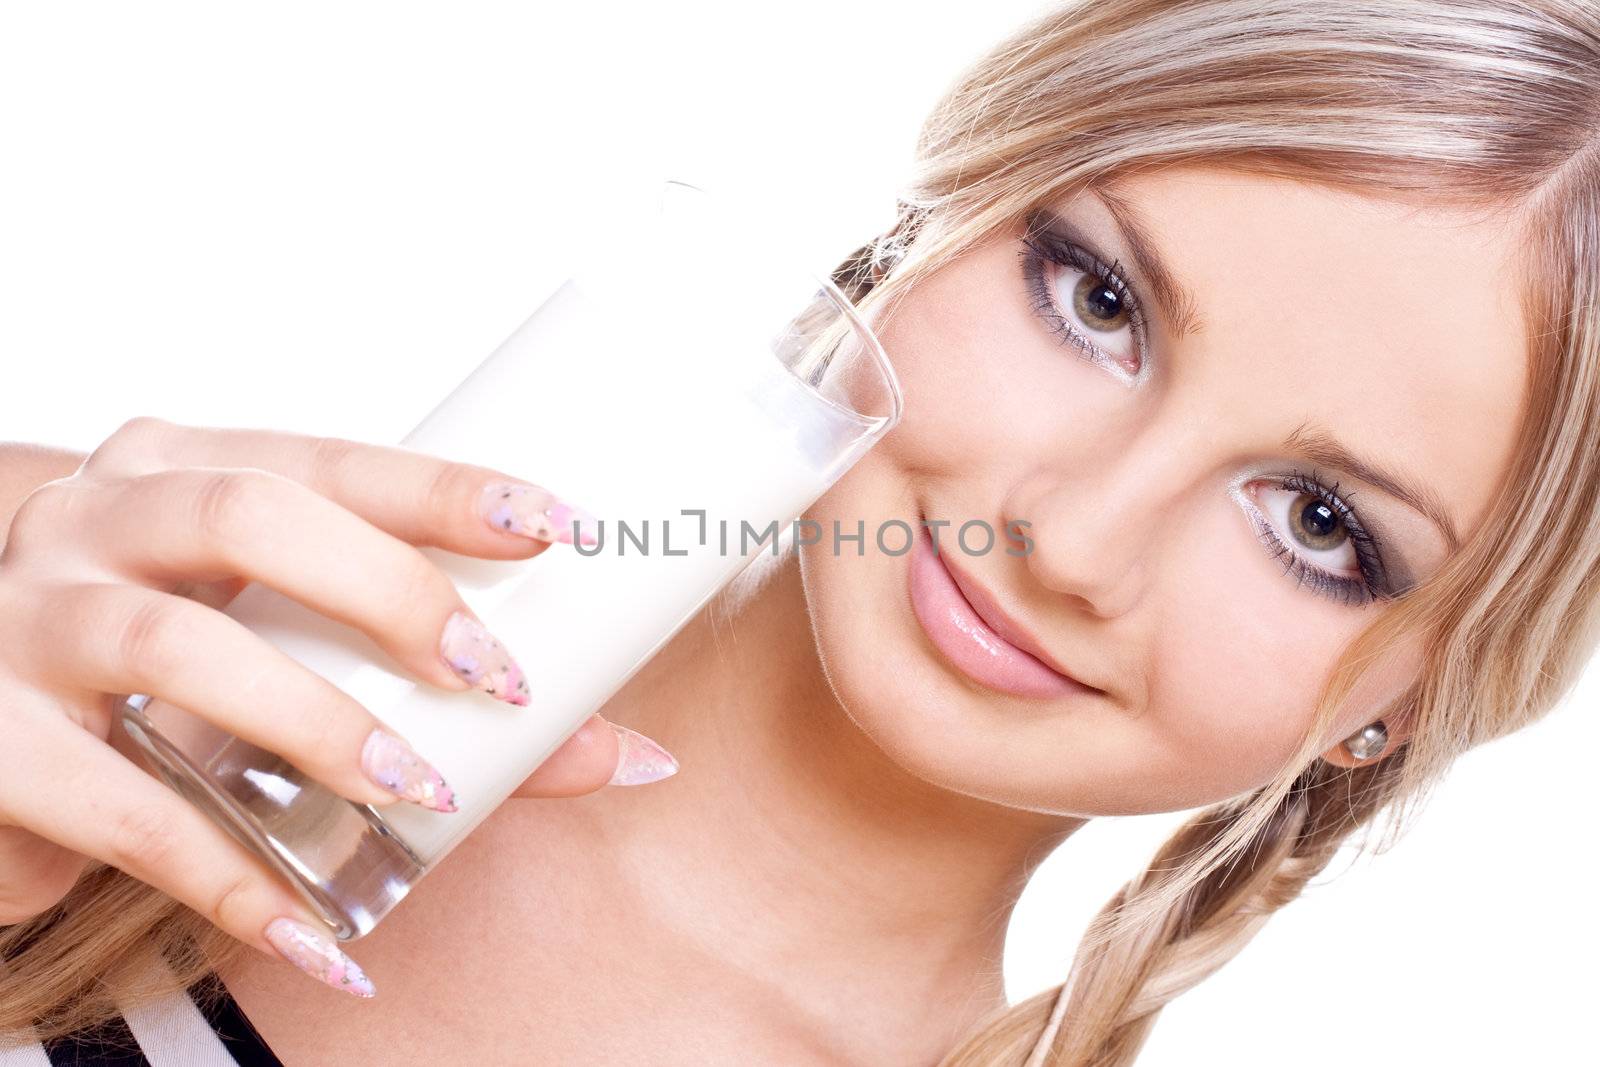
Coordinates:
[968,627]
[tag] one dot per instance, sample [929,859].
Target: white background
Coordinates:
[321,217]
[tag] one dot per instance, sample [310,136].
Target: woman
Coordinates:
[1275,322]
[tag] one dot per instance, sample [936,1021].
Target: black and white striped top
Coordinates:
[202,1027]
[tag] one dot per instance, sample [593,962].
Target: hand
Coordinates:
[111,582]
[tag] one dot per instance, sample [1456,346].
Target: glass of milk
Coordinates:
[696,391]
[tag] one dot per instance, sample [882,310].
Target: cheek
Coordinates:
[986,389]
[854,590]
[872,652]
[1243,657]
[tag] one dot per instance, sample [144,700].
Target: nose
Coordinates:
[1096,524]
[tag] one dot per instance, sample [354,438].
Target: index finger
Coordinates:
[418,497]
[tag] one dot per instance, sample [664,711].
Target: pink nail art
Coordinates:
[639,759]
[477,656]
[316,954]
[531,511]
[395,765]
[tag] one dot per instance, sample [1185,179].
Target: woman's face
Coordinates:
[1182,443]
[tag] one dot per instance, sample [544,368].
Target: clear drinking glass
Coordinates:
[696,371]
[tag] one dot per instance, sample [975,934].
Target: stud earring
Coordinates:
[1371,741]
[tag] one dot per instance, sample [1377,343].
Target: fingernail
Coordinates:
[530,511]
[315,953]
[478,656]
[639,759]
[395,765]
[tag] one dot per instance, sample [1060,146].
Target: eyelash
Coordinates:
[1041,245]
[1372,585]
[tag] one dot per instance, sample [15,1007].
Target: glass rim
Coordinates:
[835,296]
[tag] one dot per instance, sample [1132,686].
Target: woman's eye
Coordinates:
[1310,528]
[1085,304]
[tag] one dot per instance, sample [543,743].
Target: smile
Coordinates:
[972,640]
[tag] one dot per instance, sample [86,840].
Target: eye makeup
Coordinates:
[1325,505]
[1051,242]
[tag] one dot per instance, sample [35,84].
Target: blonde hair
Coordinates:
[1490,104]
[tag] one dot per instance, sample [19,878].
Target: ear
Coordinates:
[1398,728]
[1386,693]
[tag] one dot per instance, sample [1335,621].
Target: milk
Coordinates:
[636,424]
[580,625]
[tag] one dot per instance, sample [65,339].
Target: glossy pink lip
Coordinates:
[968,627]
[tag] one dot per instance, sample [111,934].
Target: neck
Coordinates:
[862,875]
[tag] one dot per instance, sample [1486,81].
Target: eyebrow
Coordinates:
[1177,301]
[1320,447]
